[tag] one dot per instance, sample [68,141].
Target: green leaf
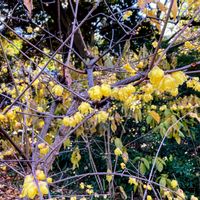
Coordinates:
[118,143]
[161,160]
[142,168]
[162,181]
[159,165]
[136,159]
[135,188]
[149,119]
[146,162]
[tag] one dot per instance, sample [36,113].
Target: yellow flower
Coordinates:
[40,109]
[58,90]
[140,65]
[73,198]
[179,76]
[174,184]
[189,45]
[149,197]
[155,76]
[11,115]
[155,44]
[123,165]
[85,108]
[3,167]
[32,190]
[115,93]
[78,117]
[127,14]
[44,151]
[109,177]
[66,121]
[82,185]
[41,145]
[128,68]
[147,186]
[147,97]
[164,107]
[1,155]
[153,107]
[168,83]
[118,152]
[174,92]
[132,181]
[49,180]
[148,88]
[174,107]
[95,93]
[29,29]
[40,175]
[75,158]
[106,90]
[2,117]
[102,116]
[43,187]
[90,191]
[89,186]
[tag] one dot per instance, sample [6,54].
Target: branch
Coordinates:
[3,133]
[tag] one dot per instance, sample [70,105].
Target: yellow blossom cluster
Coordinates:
[189,45]
[88,188]
[166,83]
[123,93]
[194,84]
[57,90]
[11,117]
[30,188]
[3,70]
[44,148]
[7,152]
[148,89]
[97,92]
[102,116]
[127,14]
[73,120]
[85,108]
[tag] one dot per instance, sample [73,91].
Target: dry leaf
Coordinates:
[194,115]
[68,77]
[142,3]
[161,7]
[155,116]
[174,9]
[29,6]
